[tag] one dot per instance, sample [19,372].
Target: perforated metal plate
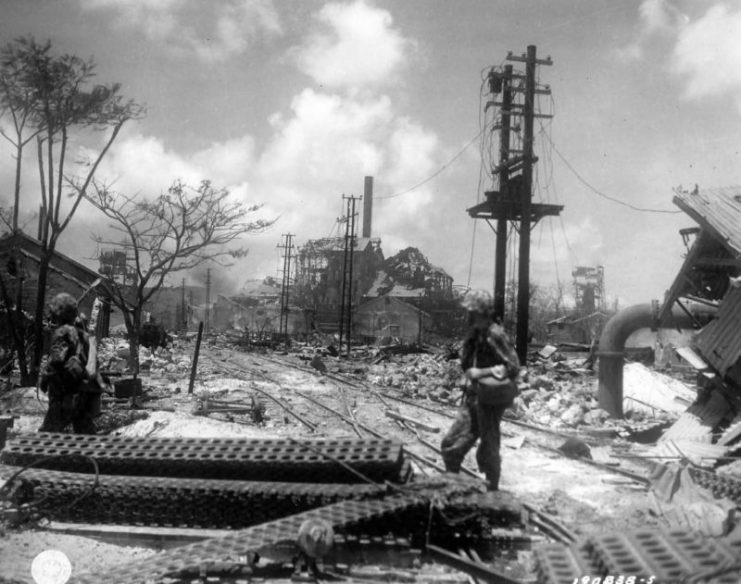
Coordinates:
[318,461]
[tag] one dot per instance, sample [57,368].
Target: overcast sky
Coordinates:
[291,103]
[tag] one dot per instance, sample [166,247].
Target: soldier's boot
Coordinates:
[492,481]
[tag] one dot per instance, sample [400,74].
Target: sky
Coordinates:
[291,103]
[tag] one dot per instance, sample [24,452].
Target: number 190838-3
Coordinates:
[614,580]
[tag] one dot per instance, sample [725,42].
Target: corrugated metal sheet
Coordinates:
[699,421]
[732,432]
[720,341]
[716,209]
[700,453]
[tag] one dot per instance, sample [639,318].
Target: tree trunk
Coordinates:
[17,193]
[38,324]
[133,326]
[17,331]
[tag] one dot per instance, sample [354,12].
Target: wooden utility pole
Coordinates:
[513,201]
[286,283]
[500,265]
[183,310]
[208,301]
[346,292]
[523,279]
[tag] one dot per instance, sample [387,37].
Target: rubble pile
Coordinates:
[422,375]
[565,396]
[556,392]
[113,355]
[552,401]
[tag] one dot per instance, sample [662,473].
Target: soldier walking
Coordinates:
[491,367]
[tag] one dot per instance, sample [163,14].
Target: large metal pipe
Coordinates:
[612,344]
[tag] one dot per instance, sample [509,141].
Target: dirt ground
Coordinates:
[585,498]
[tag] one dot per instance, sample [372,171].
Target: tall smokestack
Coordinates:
[367,206]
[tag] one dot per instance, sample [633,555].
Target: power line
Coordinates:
[437,172]
[600,193]
[555,255]
[566,239]
[470,260]
[482,170]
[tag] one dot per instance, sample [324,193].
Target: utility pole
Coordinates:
[523,280]
[500,264]
[207,319]
[347,264]
[513,201]
[288,247]
[351,218]
[182,325]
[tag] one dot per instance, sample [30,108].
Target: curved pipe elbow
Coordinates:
[612,346]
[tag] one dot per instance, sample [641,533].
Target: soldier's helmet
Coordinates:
[478,301]
[63,308]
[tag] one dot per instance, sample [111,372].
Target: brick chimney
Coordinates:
[367,206]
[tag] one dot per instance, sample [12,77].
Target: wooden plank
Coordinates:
[137,535]
[417,423]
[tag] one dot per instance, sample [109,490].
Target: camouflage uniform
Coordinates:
[74,397]
[476,421]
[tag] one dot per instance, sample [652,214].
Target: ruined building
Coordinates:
[20,257]
[322,271]
[705,297]
[711,275]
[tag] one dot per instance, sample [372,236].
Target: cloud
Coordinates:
[320,149]
[657,18]
[325,148]
[139,164]
[707,54]
[227,162]
[356,47]
[213,32]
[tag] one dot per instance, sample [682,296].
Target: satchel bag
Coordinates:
[491,391]
[496,392]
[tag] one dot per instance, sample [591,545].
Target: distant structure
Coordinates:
[589,289]
[116,265]
[323,280]
[319,276]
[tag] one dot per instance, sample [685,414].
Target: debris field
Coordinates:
[214,485]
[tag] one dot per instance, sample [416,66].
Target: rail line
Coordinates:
[546,523]
[348,419]
[385,395]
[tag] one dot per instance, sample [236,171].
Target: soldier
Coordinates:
[74,395]
[491,367]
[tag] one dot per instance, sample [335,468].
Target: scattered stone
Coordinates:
[575,448]
[317,363]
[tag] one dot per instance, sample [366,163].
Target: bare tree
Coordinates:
[48,98]
[17,104]
[178,230]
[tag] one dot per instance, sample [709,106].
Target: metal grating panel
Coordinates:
[160,501]
[287,460]
[559,564]
[340,515]
[720,341]
[667,556]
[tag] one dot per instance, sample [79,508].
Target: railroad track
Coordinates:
[383,397]
[544,522]
[342,385]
